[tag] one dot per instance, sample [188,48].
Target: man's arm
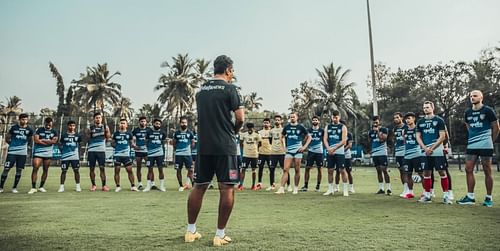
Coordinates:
[495,129]
[39,141]
[239,115]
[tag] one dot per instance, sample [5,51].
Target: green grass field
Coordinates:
[260,221]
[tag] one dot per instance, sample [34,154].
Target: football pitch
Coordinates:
[261,220]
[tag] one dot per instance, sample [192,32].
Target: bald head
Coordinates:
[476,97]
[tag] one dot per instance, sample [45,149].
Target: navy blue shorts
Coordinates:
[96,157]
[18,160]
[65,164]
[122,160]
[183,161]
[158,160]
[141,154]
[336,161]
[263,159]
[380,161]
[480,152]
[314,158]
[437,163]
[225,167]
[249,162]
[348,165]
[277,159]
[400,162]
[414,165]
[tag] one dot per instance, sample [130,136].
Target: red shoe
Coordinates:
[105,188]
[258,187]
[240,188]
[254,188]
[409,196]
[93,188]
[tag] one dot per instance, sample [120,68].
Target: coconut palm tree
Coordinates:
[251,101]
[12,108]
[123,109]
[61,107]
[152,111]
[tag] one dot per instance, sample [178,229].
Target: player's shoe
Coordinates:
[346,193]
[240,187]
[154,187]
[61,189]
[351,190]
[140,187]
[1,190]
[221,241]
[105,188]
[258,186]
[303,189]
[42,190]
[329,192]
[271,188]
[191,237]
[409,196]
[295,190]
[402,194]
[147,189]
[317,189]
[78,188]
[446,199]
[253,188]
[290,188]
[117,189]
[134,189]
[450,195]
[32,191]
[488,202]
[336,189]
[389,192]
[162,188]
[14,190]
[281,190]
[433,195]
[425,199]
[380,191]
[466,201]
[93,188]
[181,189]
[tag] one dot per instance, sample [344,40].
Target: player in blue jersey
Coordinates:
[122,140]
[45,138]
[483,129]
[314,153]
[139,146]
[431,132]
[183,143]
[18,138]
[399,148]
[334,138]
[96,150]
[69,142]
[347,163]
[294,134]
[413,158]
[155,140]
[377,137]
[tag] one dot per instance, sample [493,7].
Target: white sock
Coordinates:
[471,195]
[220,233]
[162,182]
[489,197]
[345,187]
[405,187]
[337,186]
[78,185]
[427,194]
[381,186]
[388,185]
[330,186]
[296,187]
[410,191]
[351,186]
[191,228]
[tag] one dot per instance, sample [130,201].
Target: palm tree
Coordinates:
[61,108]
[305,101]
[152,111]
[12,108]
[123,109]
[95,88]
[251,101]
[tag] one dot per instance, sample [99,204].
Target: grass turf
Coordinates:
[261,220]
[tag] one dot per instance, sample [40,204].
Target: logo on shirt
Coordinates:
[434,123]
[482,116]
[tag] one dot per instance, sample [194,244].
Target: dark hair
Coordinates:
[429,103]
[335,113]
[222,63]
[97,114]
[123,119]
[156,119]
[266,119]
[277,116]
[398,113]
[250,125]
[410,114]
[71,122]
[376,117]
[48,120]
[315,117]
[23,115]
[182,118]
[142,117]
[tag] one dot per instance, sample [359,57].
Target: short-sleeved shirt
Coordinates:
[316,145]
[429,129]
[347,152]
[97,141]
[155,139]
[40,150]
[399,143]
[379,148]
[183,141]
[194,151]
[479,132]
[70,143]
[139,134]
[277,147]
[216,101]
[19,140]
[250,144]
[265,144]
[122,143]
[334,135]
[412,149]
[294,135]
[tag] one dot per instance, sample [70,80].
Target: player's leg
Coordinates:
[9,163]
[117,175]
[306,178]
[138,163]
[178,171]
[253,164]
[45,173]
[272,172]
[20,163]
[331,168]
[285,177]
[488,180]
[64,170]
[101,159]
[128,167]
[296,163]
[149,175]
[377,164]
[260,164]
[92,159]
[161,175]
[36,163]
[427,180]
[244,165]
[75,164]
[387,178]
[204,171]
[341,168]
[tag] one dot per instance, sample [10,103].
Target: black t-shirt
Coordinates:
[215,103]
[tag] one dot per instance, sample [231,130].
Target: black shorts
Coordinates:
[434,163]
[43,158]
[414,165]
[158,160]
[65,164]
[348,164]
[277,159]
[141,154]
[314,158]
[18,160]
[336,161]
[400,162]
[263,159]
[225,167]
[480,152]
[380,161]
[99,157]
[249,162]
[193,157]
[122,160]
[183,161]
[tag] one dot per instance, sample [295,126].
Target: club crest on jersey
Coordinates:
[435,123]
[339,130]
[298,131]
[482,116]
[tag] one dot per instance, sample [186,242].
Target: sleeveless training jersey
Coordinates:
[154,139]
[250,144]
[70,146]
[97,141]
[348,154]
[265,147]
[378,148]
[40,150]
[294,135]
[399,144]
[277,147]
[139,135]
[122,143]
[334,134]
[479,132]
[412,149]
[429,130]
[19,140]
[183,141]
[316,145]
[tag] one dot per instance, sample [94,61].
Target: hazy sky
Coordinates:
[275,44]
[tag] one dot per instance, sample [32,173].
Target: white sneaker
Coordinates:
[14,190]
[118,189]
[1,190]
[336,189]
[281,190]
[61,189]
[41,189]
[346,193]
[134,189]
[181,189]
[402,194]
[446,199]
[290,188]
[450,195]
[328,192]
[351,190]
[147,189]
[271,188]
[295,191]
[78,188]
[162,188]
[31,191]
